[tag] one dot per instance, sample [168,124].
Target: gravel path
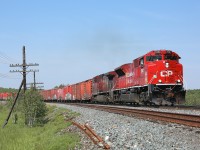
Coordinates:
[128,133]
[3,102]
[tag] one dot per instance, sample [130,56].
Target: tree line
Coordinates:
[10,90]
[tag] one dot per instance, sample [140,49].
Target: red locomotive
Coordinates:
[154,78]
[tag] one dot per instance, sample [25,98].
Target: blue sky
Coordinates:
[74,40]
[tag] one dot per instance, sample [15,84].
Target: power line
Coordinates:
[8,76]
[5,57]
[4,62]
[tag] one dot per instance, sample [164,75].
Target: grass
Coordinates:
[193,97]
[51,136]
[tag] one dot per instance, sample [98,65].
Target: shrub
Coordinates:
[34,108]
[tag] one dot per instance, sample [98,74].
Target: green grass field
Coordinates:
[51,136]
[192,97]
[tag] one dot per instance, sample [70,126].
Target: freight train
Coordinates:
[6,95]
[155,78]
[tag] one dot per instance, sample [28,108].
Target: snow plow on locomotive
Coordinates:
[155,78]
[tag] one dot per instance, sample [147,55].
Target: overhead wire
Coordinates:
[2,62]
[8,76]
[6,58]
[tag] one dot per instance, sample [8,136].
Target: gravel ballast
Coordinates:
[124,132]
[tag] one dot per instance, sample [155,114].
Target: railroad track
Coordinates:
[183,107]
[184,119]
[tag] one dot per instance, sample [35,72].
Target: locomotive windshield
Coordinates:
[154,58]
[171,57]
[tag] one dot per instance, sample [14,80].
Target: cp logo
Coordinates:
[166,73]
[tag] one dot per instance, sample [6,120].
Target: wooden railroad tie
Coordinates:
[92,135]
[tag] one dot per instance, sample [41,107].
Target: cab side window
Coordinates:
[142,62]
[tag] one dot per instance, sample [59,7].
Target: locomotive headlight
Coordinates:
[160,81]
[167,65]
[178,81]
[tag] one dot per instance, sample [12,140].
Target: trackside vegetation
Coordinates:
[52,135]
[10,90]
[193,97]
[33,107]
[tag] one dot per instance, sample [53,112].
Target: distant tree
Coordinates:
[10,90]
[60,86]
[56,87]
[33,107]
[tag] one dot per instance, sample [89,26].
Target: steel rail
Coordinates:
[184,119]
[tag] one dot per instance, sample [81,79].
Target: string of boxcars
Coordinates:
[5,95]
[154,78]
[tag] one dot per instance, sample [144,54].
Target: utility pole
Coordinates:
[34,82]
[24,67]
[6,121]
